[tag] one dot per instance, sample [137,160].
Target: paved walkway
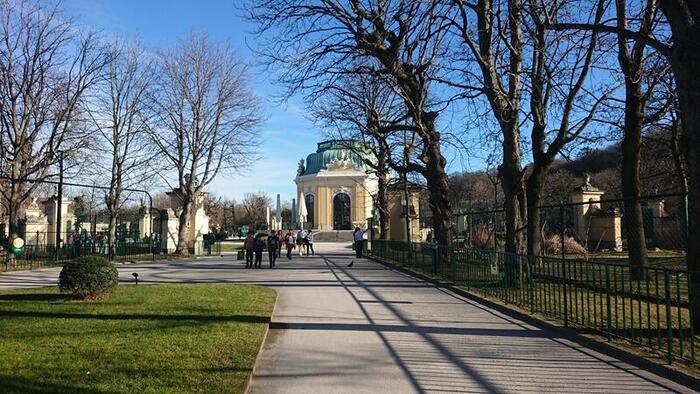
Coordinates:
[372,329]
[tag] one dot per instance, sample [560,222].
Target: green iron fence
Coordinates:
[588,230]
[37,256]
[605,298]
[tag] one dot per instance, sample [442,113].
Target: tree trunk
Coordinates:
[182,228]
[439,194]
[633,220]
[679,157]
[14,202]
[13,208]
[111,232]
[685,60]
[510,173]
[382,206]
[534,198]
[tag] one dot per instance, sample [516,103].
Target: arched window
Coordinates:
[341,212]
[309,199]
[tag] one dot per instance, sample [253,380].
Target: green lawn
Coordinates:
[147,338]
[227,247]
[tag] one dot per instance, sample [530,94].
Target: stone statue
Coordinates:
[301,169]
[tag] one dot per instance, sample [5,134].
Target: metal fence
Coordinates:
[42,255]
[589,230]
[602,297]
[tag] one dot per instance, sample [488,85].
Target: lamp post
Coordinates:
[59,203]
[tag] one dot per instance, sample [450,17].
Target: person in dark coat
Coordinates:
[273,246]
[280,239]
[258,246]
[248,246]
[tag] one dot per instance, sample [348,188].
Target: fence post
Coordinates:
[531,282]
[684,220]
[495,238]
[435,259]
[607,301]
[563,267]
[370,223]
[150,246]
[669,320]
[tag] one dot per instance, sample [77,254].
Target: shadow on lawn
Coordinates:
[34,297]
[201,318]
[15,384]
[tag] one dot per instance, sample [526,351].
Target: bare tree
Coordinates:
[474,191]
[491,34]
[314,43]
[563,101]
[120,117]
[221,212]
[678,40]
[371,114]
[46,67]
[255,205]
[208,118]
[644,71]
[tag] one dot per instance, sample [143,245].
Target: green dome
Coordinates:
[329,151]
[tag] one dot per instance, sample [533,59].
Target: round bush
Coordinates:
[88,277]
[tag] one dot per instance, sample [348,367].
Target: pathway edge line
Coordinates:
[262,345]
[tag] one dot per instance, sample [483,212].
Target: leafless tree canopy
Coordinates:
[314,44]
[46,67]
[255,205]
[206,117]
[222,214]
[119,116]
[371,120]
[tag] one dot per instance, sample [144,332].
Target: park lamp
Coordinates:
[136,276]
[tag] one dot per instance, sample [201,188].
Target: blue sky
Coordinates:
[286,134]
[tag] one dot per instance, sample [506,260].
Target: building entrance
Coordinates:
[341,212]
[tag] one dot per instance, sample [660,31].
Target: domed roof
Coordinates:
[332,152]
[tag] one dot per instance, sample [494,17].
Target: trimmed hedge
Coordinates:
[88,277]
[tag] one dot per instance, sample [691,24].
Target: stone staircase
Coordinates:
[333,236]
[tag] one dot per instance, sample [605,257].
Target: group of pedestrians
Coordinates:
[302,240]
[255,245]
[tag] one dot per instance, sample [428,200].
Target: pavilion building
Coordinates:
[336,186]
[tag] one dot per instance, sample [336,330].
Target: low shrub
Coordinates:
[482,237]
[88,277]
[553,245]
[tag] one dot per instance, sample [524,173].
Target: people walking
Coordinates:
[280,239]
[290,241]
[273,245]
[248,246]
[301,234]
[258,246]
[358,237]
[310,243]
